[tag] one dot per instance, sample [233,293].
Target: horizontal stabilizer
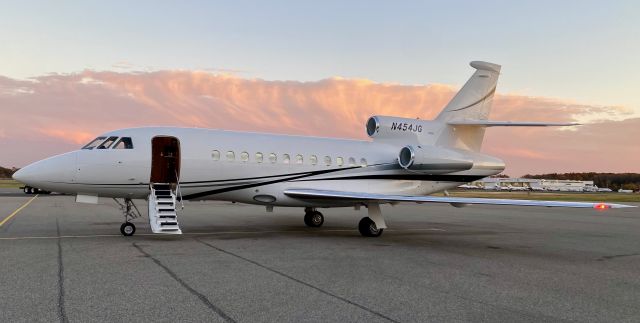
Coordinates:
[364,197]
[488,123]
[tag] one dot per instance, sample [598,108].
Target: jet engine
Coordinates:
[382,127]
[433,160]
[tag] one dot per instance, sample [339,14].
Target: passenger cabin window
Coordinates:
[244,156]
[339,161]
[259,157]
[231,156]
[94,143]
[123,143]
[273,158]
[313,159]
[215,155]
[286,158]
[352,161]
[327,160]
[107,143]
[299,159]
[363,162]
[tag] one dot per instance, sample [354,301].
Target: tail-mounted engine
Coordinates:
[382,127]
[433,160]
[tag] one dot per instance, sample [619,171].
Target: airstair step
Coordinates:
[162,210]
[168,223]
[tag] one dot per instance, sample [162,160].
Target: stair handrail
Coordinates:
[178,190]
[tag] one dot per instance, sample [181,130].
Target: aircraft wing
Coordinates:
[490,123]
[365,197]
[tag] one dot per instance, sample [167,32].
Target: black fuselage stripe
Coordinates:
[240,187]
[436,178]
[416,177]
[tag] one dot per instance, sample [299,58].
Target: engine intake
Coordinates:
[433,160]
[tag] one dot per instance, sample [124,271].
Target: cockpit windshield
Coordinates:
[107,143]
[113,142]
[124,143]
[94,143]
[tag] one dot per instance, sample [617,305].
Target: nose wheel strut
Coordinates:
[130,212]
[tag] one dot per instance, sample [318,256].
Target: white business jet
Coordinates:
[406,160]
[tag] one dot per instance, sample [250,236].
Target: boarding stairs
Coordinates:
[162,209]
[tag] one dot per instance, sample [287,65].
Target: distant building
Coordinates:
[530,184]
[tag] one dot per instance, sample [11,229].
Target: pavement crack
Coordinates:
[298,281]
[617,256]
[186,286]
[62,313]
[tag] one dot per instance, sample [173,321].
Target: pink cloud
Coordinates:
[55,113]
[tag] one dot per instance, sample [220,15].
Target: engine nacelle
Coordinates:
[433,160]
[395,127]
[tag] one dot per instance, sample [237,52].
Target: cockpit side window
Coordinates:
[107,143]
[94,143]
[123,143]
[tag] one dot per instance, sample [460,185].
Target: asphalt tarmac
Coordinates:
[62,261]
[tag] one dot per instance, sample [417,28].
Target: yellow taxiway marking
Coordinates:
[200,233]
[18,210]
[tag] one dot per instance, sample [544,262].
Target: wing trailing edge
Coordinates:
[489,123]
[456,201]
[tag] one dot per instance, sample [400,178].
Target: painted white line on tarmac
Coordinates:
[198,233]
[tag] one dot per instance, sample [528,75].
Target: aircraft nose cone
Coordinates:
[41,174]
[21,175]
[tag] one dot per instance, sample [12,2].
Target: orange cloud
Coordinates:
[55,113]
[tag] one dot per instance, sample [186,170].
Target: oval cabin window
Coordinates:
[313,159]
[215,155]
[299,159]
[339,161]
[259,157]
[231,156]
[244,156]
[327,160]
[286,159]
[273,158]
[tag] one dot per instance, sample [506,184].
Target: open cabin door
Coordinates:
[165,160]
[164,184]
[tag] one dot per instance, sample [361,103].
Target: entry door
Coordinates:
[165,160]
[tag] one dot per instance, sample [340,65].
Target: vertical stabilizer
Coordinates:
[472,102]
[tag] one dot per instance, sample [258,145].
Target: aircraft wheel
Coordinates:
[127,229]
[368,228]
[26,190]
[313,219]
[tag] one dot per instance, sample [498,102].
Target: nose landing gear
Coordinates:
[130,212]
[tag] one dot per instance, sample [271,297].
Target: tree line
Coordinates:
[6,172]
[626,181]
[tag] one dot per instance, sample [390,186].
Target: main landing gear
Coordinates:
[130,212]
[313,218]
[373,225]
[370,226]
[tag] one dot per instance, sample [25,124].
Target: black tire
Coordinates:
[368,228]
[127,229]
[25,190]
[313,219]
[29,190]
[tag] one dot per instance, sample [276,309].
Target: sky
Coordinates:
[288,66]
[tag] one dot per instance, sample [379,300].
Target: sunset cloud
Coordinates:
[58,112]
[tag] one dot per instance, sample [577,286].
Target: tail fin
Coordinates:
[472,102]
